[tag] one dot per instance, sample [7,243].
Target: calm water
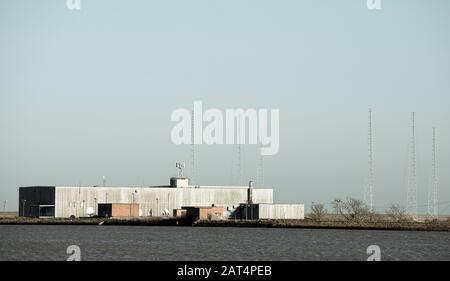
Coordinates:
[46,242]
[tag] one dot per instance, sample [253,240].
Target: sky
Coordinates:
[89,93]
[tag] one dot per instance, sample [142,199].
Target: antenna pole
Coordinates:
[193,151]
[370,174]
[239,150]
[434,198]
[411,196]
[260,171]
[180,166]
[260,168]
[236,165]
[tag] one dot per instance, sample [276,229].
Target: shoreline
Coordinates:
[442,226]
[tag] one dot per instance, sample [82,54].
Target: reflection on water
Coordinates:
[49,242]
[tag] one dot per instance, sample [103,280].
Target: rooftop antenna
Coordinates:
[370,176]
[104,181]
[4,205]
[435,181]
[411,195]
[180,167]
[194,172]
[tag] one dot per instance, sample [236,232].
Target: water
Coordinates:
[50,242]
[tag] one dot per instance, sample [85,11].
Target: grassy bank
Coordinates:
[416,226]
[161,221]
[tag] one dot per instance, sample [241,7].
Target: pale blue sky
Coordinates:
[89,93]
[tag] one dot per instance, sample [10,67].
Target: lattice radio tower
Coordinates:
[411,195]
[237,159]
[194,161]
[260,168]
[370,175]
[260,171]
[240,135]
[435,180]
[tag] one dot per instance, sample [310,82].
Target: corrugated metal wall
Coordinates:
[76,200]
[281,211]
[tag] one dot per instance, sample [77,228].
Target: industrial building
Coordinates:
[118,210]
[204,213]
[270,211]
[79,201]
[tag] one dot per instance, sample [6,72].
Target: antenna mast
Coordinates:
[194,172]
[370,174]
[239,150]
[260,171]
[435,185]
[236,170]
[411,196]
[260,167]
[180,167]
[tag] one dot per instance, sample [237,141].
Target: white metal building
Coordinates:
[67,201]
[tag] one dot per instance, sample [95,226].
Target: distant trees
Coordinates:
[397,213]
[318,211]
[352,210]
